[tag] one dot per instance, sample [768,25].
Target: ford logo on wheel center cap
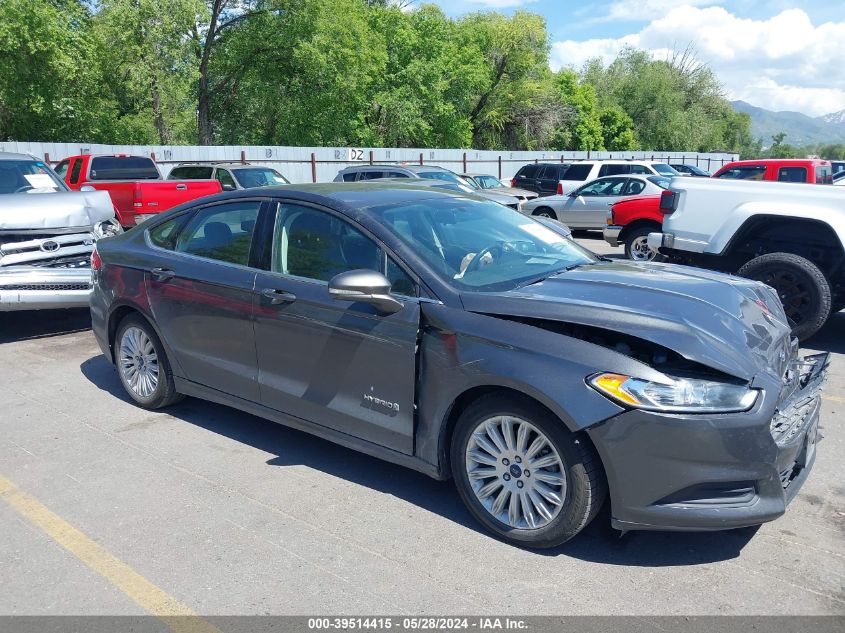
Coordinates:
[49,246]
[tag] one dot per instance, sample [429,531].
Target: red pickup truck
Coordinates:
[136,187]
[809,170]
[629,222]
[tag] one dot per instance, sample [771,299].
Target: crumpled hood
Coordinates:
[56,210]
[728,323]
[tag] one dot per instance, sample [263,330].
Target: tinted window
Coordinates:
[613,170]
[608,187]
[664,170]
[164,235]
[634,187]
[122,168]
[222,232]
[749,172]
[400,282]
[792,174]
[395,174]
[527,171]
[639,169]
[577,172]
[318,245]
[224,177]
[824,176]
[349,176]
[75,171]
[371,175]
[61,168]
[192,172]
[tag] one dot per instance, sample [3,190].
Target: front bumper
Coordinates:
[43,288]
[712,472]
[611,234]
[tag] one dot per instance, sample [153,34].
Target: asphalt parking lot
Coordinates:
[106,508]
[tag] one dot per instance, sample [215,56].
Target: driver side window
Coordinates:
[317,245]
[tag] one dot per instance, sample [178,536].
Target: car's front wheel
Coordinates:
[545,212]
[142,364]
[637,248]
[522,474]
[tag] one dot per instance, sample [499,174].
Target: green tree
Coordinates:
[617,129]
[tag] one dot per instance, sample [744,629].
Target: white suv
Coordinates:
[583,171]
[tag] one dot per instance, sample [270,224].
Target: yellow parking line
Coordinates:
[833,398]
[177,616]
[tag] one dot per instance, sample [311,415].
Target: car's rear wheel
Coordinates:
[522,474]
[545,212]
[637,248]
[142,364]
[801,286]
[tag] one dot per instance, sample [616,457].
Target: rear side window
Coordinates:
[164,235]
[792,174]
[349,176]
[552,172]
[577,172]
[395,174]
[61,168]
[614,170]
[194,172]
[75,171]
[222,232]
[749,172]
[123,168]
[371,175]
[824,176]
[527,171]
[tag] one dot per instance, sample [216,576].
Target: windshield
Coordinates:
[259,177]
[481,245]
[487,182]
[664,170]
[28,176]
[445,175]
[660,181]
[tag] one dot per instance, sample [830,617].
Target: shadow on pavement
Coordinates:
[21,326]
[831,338]
[597,543]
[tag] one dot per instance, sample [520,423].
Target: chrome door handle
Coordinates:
[276,296]
[162,274]
[181,187]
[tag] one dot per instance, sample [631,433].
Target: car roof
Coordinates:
[412,168]
[359,195]
[225,165]
[14,156]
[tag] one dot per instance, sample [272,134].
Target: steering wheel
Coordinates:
[476,261]
[22,189]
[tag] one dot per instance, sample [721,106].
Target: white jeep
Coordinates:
[790,236]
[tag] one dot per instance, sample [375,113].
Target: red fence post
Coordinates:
[47,158]
[313,167]
[371,157]
[465,162]
[421,158]
[153,156]
[243,157]
[500,166]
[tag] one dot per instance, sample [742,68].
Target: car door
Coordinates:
[586,207]
[337,364]
[201,294]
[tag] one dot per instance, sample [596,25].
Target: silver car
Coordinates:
[587,206]
[47,233]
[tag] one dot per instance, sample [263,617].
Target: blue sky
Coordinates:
[775,54]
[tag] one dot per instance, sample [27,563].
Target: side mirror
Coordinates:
[227,187]
[87,188]
[366,286]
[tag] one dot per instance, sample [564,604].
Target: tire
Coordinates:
[572,459]
[139,355]
[801,286]
[637,250]
[545,212]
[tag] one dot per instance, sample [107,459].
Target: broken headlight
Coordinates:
[107,228]
[689,395]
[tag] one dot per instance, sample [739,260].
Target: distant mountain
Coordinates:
[800,129]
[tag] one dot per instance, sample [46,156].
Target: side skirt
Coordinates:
[362,446]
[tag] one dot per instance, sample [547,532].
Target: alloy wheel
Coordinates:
[640,250]
[515,472]
[138,362]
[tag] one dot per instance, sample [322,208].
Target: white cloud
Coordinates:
[782,63]
[644,10]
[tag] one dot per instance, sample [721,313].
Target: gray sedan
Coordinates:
[587,206]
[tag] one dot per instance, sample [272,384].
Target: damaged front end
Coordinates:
[46,240]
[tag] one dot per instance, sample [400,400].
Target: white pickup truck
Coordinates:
[790,236]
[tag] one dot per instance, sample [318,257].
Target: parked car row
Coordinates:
[410,314]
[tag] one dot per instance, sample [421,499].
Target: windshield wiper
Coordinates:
[553,273]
